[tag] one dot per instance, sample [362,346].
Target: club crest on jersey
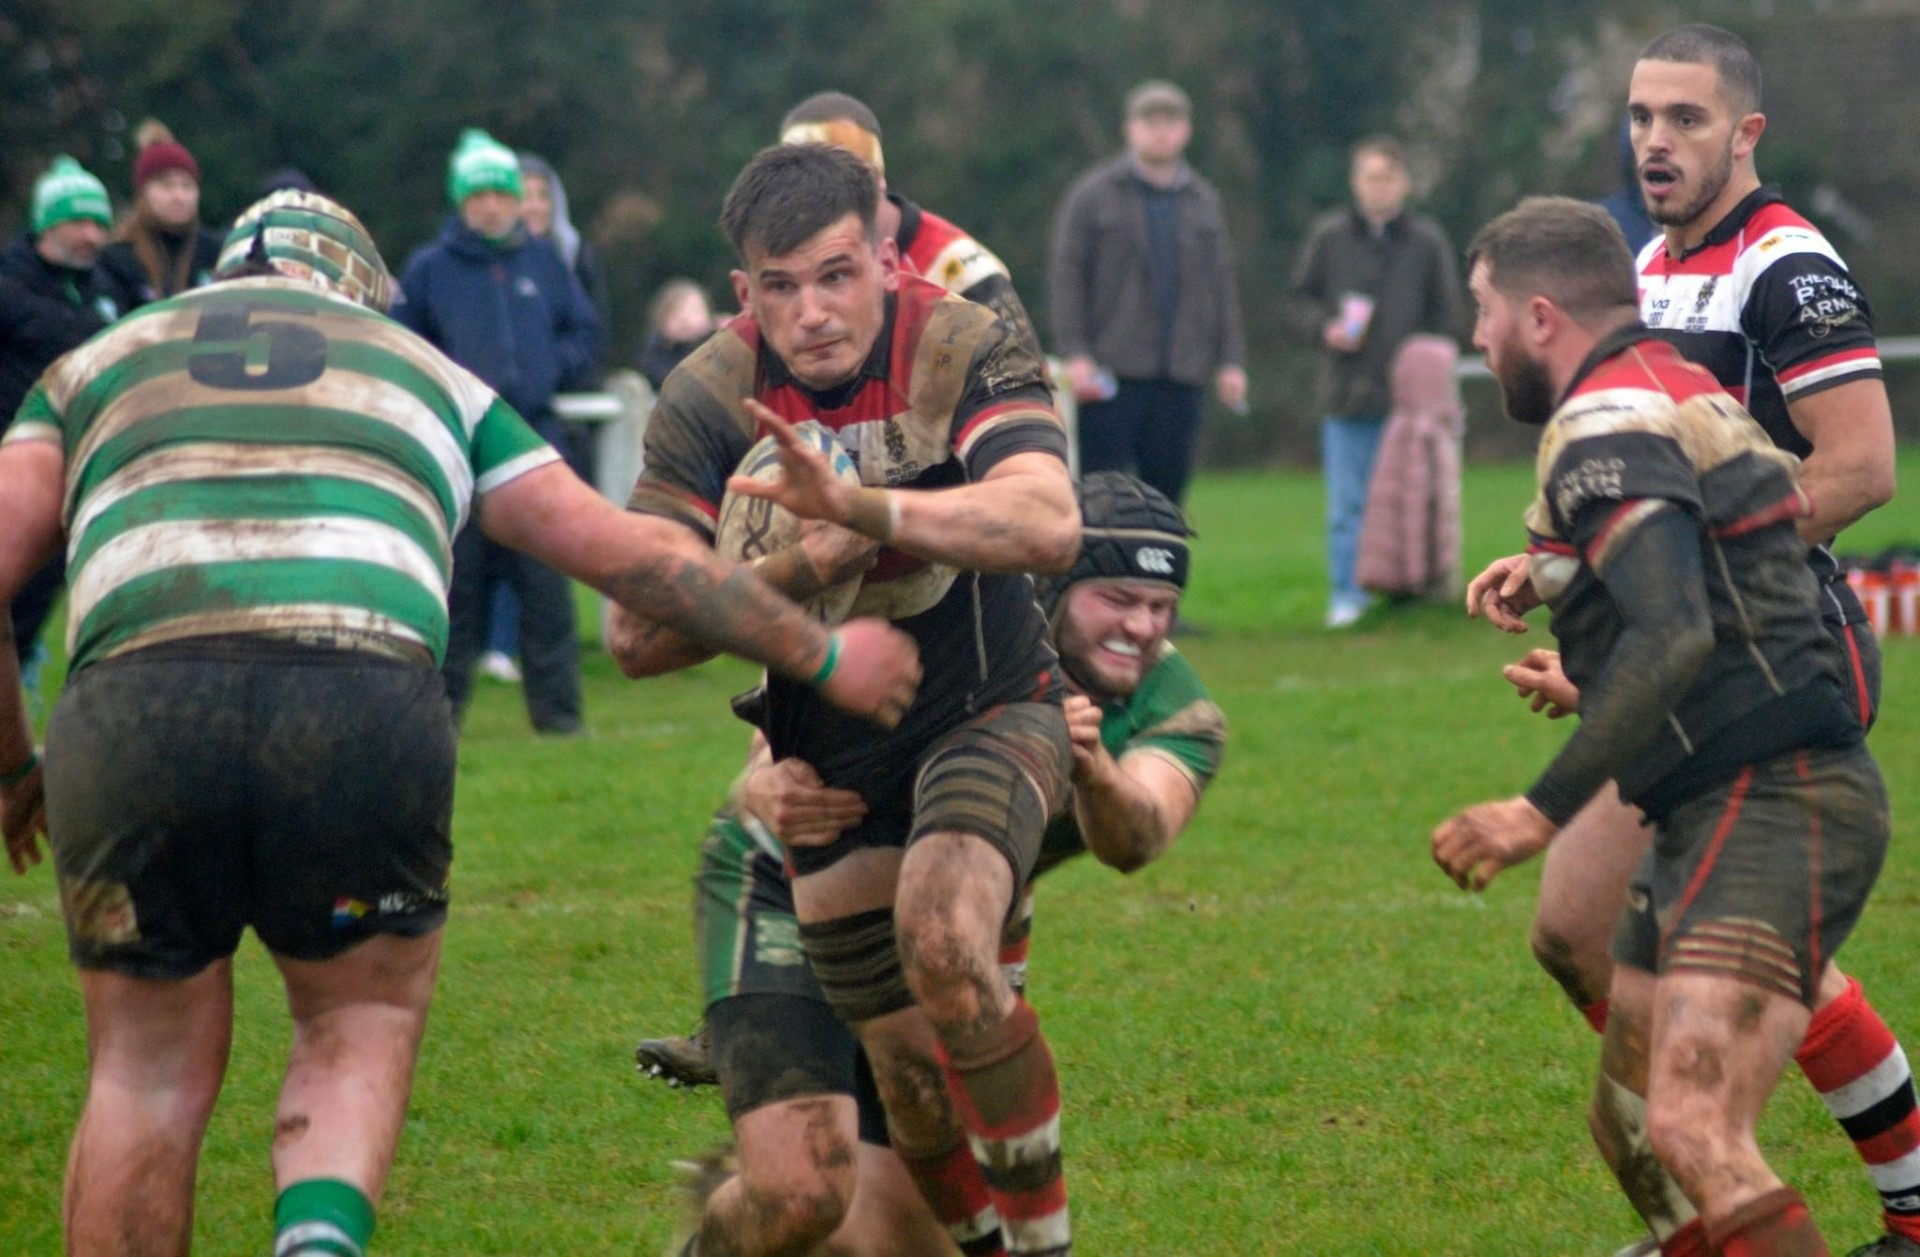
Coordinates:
[1706,294]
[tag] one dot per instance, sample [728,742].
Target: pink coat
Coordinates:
[1410,538]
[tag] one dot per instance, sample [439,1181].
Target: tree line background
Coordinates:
[990,107]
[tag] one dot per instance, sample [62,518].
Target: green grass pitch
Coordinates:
[1292,1035]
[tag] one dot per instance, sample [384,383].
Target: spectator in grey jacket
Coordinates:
[1144,303]
[1369,276]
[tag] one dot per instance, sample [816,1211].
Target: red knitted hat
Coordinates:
[161,156]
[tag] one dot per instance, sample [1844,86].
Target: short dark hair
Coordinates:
[791,192]
[1568,251]
[1725,51]
[1382,145]
[832,107]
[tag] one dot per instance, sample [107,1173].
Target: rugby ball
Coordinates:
[752,528]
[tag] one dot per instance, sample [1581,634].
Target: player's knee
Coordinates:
[808,1200]
[953,972]
[1583,976]
[1685,1132]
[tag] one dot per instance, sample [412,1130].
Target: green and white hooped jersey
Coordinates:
[261,457]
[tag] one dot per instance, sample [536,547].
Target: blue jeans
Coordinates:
[1348,444]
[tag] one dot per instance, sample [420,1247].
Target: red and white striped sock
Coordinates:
[1857,1066]
[955,1188]
[1007,1097]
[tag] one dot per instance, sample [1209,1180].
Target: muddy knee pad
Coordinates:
[1001,778]
[857,960]
[770,1048]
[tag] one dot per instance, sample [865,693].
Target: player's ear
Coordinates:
[888,252]
[1746,134]
[1543,319]
[740,288]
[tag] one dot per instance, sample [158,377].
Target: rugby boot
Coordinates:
[679,1062]
[1888,1245]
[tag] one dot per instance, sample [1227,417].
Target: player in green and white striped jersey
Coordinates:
[256,484]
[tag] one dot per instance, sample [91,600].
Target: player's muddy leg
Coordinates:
[357,1022]
[956,890]
[1582,885]
[1719,1046]
[847,924]
[157,1052]
[796,1180]
[1618,1120]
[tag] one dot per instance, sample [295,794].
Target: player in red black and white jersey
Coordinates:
[1744,286]
[930,246]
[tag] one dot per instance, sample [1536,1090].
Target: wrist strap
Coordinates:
[25,770]
[827,666]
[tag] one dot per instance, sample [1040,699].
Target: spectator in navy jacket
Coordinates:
[54,295]
[503,304]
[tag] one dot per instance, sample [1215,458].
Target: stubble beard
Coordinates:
[1713,181]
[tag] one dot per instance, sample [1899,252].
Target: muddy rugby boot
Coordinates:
[679,1062]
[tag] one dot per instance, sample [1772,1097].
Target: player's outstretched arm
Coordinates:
[664,574]
[1019,517]
[825,556]
[1850,471]
[1130,809]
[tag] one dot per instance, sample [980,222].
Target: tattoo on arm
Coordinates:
[736,613]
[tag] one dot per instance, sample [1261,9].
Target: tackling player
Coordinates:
[1663,539]
[1750,290]
[1147,741]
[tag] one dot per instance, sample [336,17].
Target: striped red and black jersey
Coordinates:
[936,249]
[1643,432]
[1766,304]
[947,394]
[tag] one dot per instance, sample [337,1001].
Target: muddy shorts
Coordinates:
[197,788]
[1001,776]
[1761,879]
[772,1034]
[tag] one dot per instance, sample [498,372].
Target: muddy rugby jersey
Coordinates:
[1643,431]
[947,394]
[260,457]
